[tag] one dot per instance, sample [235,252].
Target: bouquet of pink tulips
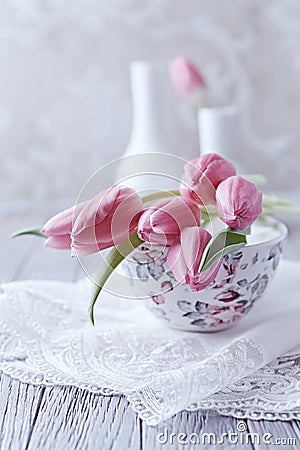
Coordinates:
[120,219]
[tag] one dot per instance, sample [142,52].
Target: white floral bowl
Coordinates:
[243,278]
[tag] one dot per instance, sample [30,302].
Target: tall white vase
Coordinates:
[217,129]
[146,164]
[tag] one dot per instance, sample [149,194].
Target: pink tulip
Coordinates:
[184,259]
[239,203]
[106,220]
[185,77]
[163,221]
[58,228]
[203,175]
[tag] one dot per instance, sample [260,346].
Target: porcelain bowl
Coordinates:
[242,280]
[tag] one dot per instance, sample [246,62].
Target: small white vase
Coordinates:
[147,162]
[217,131]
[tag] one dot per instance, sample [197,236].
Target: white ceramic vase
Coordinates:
[147,162]
[217,129]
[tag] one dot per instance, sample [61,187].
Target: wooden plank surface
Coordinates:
[67,418]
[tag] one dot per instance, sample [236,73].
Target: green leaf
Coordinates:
[36,231]
[113,259]
[245,232]
[273,205]
[205,222]
[221,244]
[208,210]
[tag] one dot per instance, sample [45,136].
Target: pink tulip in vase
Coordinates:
[200,256]
[217,125]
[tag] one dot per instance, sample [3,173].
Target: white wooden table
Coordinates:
[35,417]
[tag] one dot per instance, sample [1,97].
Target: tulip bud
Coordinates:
[203,175]
[163,221]
[186,79]
[106,220]
[238,202]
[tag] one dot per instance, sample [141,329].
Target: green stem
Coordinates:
[274,205]
[159,195]
[113,259]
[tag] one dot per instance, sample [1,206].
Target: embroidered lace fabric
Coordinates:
[46,338]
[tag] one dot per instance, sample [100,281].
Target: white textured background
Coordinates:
[64,93]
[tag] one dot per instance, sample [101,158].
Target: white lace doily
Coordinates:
[46,338]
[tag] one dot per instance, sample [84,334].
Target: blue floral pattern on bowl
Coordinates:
[243,278]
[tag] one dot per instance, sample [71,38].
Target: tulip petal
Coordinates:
[58,242]
[193,242]
[176,262]
[184,259]
[96,209]
[164,220]
[207,277]
[106,220]
[175,216]
[185,76]
[79,249]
